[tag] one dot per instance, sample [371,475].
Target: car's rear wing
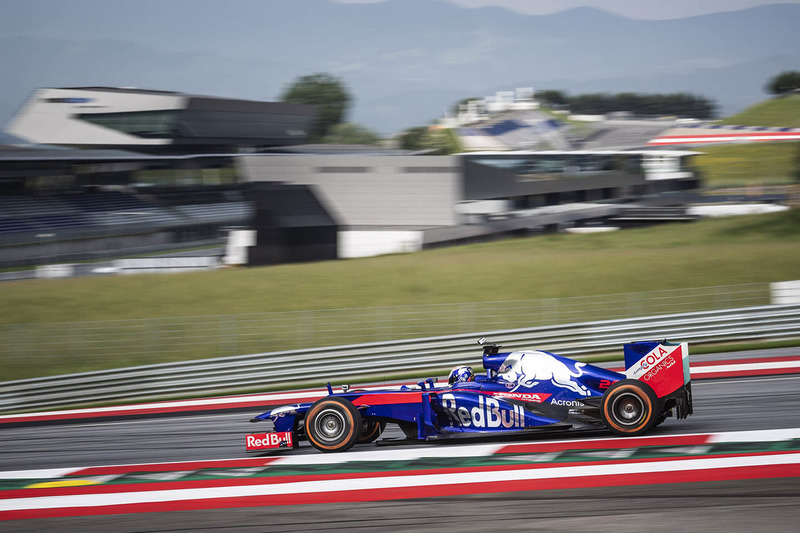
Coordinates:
[662,365]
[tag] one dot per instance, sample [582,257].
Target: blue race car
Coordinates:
[521,391]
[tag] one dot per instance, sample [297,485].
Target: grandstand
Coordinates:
[522,130]
[66,204]
[90,172]
[62,204]
[81,224]
[535,130]
[623,134]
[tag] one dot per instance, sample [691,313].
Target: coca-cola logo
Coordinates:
[652,358]
[666,363]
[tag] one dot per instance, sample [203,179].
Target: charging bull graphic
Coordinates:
[527,369]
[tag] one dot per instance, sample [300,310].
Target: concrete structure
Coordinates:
[371,191]
[187,168]
[382,204]
[403,203]
[157,121]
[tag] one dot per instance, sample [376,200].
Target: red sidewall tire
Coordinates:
[332,424]
[630,408]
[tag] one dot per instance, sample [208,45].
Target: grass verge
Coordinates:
[749,165]
[708,253]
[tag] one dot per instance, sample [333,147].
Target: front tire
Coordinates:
[630,408]
[333,424]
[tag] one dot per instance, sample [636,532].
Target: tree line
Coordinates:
[784,83]
[682,105]
[333,99]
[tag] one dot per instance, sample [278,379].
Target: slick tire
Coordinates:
[630,408]
[333,425]
[370,430]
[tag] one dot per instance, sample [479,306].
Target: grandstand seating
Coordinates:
[623,135]
[92,214]
[218,212]
[106,201]
[517,130]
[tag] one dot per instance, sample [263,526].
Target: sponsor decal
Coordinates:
[662,368]
[266,441]
[488,413]
[665,364]
[533,397]
[528,369]
[568,403]
[649,361]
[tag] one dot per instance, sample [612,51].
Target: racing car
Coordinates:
[520,391]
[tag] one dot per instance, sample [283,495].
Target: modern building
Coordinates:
[402,203]
[157,121]
[114,169]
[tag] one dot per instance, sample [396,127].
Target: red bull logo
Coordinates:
[487,413]
[266,441]
[528,369]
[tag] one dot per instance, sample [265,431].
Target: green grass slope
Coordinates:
[710,252]
[779,112]
[755,164]
[61,333]
[749,165]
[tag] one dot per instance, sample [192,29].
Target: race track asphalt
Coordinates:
[735,506]
[720,405]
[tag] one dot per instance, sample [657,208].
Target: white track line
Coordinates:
[303,487]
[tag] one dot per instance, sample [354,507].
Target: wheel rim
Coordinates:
[329,425]
[628,409]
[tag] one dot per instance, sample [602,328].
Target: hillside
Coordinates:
[775,112]
[749,165]
[755,164]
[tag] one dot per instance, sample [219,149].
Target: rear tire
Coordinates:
[333,424]
[630,408]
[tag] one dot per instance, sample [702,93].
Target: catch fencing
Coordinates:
[26,349]
[388,360]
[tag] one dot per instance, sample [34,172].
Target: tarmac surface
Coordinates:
[720,405]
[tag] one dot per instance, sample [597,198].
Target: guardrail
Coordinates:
[382,360]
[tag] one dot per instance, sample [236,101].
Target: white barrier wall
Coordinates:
[236,248]
[369,243]
[727,210]
[785,292]
[55,271]
[153,265]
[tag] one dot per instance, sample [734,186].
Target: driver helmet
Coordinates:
[460,374]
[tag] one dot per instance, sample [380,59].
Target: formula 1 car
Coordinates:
[521,391]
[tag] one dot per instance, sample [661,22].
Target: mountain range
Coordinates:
[404,61]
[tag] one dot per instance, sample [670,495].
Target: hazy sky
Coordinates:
[640,9]
[403,65]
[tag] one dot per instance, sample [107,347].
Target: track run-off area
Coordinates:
[734,464]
